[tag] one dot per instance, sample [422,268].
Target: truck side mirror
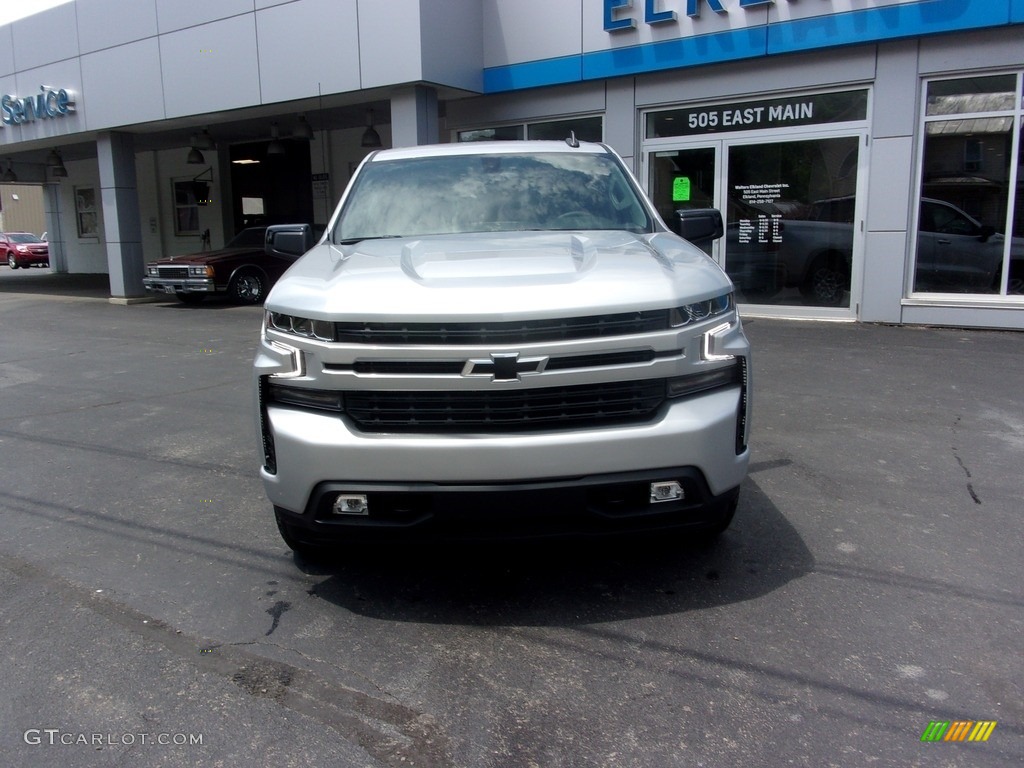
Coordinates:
[288,239]
[698,225]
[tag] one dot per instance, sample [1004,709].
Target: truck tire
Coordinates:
[825,281]
[248,287]
[308,552]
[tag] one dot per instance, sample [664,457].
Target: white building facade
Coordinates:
[866,153]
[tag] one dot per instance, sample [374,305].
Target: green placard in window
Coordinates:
[681,189]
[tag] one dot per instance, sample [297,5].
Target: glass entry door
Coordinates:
[791,211]
[685,178]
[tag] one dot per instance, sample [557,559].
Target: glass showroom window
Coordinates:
[971,167]
[585,128]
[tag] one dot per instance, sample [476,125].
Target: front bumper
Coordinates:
[182,285]
[320,453]
[600,505]
[32,259]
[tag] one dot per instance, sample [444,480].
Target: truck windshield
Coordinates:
[456,194]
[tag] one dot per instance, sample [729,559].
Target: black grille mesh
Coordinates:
[550,408]
[515,332]
[174,273]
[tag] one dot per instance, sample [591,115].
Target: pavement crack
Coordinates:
[960,461]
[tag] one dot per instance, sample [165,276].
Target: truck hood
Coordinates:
[494,275]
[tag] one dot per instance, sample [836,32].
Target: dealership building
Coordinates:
[865,153]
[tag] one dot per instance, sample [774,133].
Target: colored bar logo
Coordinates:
[958,730]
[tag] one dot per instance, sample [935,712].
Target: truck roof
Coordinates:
[487,148]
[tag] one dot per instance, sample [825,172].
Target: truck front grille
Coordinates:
[551,408]
[514,332]
[454,367]
[174,273]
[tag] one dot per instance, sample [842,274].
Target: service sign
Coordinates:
[48,104]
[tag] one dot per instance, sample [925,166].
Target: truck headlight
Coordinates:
[323,330]
[699,311]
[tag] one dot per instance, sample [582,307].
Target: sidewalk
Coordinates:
[43,281]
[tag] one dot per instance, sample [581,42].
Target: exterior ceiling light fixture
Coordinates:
[371,139]
[303,130]
[275,147]
[195,157]
[204,140]
[56,164]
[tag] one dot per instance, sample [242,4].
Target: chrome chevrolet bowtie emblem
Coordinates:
[505,367]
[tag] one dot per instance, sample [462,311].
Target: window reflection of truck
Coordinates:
[955,253]
[766,252]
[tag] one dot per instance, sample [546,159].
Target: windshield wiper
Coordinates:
[354,240]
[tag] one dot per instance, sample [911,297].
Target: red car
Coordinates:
[23,249]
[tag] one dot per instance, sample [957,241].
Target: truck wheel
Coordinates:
[309,552]
[720,527]
[825,282]
[248,288]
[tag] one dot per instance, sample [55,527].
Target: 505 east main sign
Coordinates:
[48,103]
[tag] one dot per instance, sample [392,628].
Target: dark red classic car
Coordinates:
[241,269]
[23,249]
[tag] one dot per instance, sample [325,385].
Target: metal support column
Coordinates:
[121,216]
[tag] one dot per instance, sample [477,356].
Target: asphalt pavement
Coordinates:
[870,586]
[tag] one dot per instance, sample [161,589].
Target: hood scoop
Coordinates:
[528,257]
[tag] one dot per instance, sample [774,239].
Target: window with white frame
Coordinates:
[186,208]
[86,215]
[970,219]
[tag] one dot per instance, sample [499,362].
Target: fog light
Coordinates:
[351,504]
[666,491]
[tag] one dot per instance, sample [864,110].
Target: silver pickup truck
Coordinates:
[500,339]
